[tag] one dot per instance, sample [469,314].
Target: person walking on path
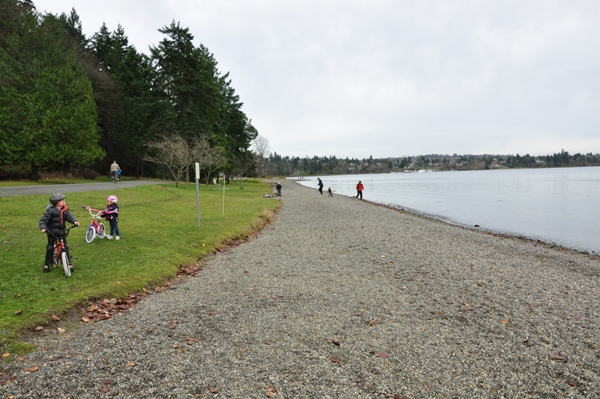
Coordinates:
[359,190]
[320,185]
[114,170]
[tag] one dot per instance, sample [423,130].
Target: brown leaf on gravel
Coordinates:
[213,313]
[208,352]
[104,389]
[271,391]
[357,314]
[505,321]
[5,379]
[33,369]
[213,390]
[149,330]
[5,354]
[336,342]
[335,360]
[470,309]
[39,328]
[85,319]
[383,355]
[371,323]
[396,396]
[554,356]
[130,364]
[572,383]
[55,318]
[18,311]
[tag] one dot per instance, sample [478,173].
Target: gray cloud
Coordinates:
[393,78]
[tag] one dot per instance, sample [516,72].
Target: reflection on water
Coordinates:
[557,205]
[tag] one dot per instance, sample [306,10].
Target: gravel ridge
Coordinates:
[339,298]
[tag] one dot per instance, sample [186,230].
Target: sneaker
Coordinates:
[109,237]
[46,269]
[117,238]
[71,267]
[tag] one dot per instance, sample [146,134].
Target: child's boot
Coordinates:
[46,269]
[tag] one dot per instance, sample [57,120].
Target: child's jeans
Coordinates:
[114,228]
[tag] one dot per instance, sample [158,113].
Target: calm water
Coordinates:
[558,205]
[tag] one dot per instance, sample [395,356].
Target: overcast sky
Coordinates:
[391,77]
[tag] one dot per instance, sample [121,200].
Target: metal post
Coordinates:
[197,167]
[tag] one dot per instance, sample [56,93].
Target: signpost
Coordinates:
[197,167]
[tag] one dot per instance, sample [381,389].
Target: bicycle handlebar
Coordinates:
[66,231]
[97,215]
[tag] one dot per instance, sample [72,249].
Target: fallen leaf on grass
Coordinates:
[18,311]
[55,318]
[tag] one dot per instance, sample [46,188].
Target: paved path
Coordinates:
[71,188]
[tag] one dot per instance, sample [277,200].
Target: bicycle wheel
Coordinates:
[90,234]
[101,230]
[65,262]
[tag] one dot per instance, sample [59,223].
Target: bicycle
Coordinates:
[96,227]
[61,253]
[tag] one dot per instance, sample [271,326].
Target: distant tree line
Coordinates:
[277,165]
[73,104]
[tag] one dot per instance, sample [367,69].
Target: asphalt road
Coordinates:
[71,188]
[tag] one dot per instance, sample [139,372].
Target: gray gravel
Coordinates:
[340,298]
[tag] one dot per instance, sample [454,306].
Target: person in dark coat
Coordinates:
[53,221]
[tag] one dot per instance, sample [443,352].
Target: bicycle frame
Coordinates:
[59,248]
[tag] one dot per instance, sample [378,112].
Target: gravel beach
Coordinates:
[341,298]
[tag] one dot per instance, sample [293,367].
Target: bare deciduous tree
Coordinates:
[261,151]
[172,152]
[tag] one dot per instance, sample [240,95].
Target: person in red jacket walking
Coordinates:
[359,190]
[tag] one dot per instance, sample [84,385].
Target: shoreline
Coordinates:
[550,244]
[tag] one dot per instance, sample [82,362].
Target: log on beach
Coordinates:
[341,298]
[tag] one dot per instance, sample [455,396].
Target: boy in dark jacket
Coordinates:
[53,221]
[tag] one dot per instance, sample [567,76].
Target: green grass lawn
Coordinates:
[159,234]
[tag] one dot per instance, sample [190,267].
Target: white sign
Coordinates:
[197,166]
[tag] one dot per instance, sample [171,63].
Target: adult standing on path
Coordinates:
[320,185]
[114,170]
[359,190]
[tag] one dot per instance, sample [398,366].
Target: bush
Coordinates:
[14,173]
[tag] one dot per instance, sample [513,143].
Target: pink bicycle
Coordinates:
[96,227]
